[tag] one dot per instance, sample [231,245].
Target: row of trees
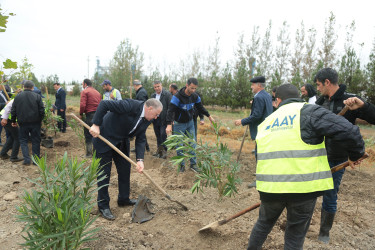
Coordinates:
[281,60]
[285,61]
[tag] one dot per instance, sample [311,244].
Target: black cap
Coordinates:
[258,79]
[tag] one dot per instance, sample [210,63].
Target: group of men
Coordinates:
[296,146]
[21,117]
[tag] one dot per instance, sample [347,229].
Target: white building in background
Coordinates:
[101,70]
[69,87]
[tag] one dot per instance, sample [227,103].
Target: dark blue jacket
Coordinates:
[181,108]
[261,108]
[60,99]
[116,125]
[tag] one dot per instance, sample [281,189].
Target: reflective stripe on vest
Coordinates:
[114,94]
[286,164]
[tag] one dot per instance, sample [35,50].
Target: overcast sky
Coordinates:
[58,36]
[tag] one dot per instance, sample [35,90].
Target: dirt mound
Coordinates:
[174,228]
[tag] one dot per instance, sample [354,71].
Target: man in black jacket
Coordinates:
[28,112]
[126,118]
[333,97]
[181,111]
[141,95]
[60,106]
[293,175]
[160,124]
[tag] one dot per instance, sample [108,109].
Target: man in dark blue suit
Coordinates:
[261,108]
[60,106]
[126,118]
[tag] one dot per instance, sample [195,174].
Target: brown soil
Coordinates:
[173,228]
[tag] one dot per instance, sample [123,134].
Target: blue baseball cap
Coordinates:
[106,82]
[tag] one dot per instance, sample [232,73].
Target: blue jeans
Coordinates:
[330,196]
[299,215]
[185,128]
[34,131]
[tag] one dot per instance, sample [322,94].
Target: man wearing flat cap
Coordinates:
[261,108]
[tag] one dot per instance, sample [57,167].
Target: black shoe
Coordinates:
[194,168]
[132,150]
[26,163]
[157,155]
[130,202]
[4,157]
[147,148]
[16,159]
[107,214]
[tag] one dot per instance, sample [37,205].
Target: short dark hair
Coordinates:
[174,86]
[157,82]
[28,84]
[88,82]
[327,73]
[56,83]
[287,91]
[274,89]
[192,80]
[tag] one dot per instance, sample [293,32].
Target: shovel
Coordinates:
[131,162]
[224,221]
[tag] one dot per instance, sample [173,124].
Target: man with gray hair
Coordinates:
[117,121]
[28,112]
[160,124]
[261,107]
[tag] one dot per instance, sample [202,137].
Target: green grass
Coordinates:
[72,100]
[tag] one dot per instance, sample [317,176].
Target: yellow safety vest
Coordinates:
[114,94]
[286,164]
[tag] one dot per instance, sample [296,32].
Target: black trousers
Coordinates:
[12,142]
[61,125]
[88,120]
[299,215]
[161,135]
[29,130]
[123,172]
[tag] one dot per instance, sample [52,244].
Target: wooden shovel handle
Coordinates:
[345,164]
[343,111]
[122,154]
[5,92]
[239,213]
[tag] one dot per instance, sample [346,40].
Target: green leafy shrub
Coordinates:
[57,214]
[50,120]
[216,168]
